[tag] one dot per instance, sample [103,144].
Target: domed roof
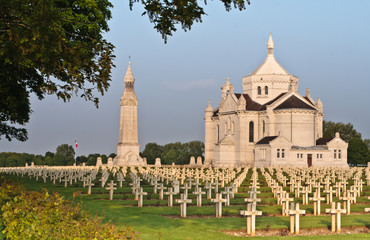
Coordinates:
[270,65]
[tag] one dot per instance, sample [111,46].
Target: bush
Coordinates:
[9,190]
[38,215]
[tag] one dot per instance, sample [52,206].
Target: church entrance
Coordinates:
[309,160]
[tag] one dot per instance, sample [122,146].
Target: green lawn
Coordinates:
[162,222]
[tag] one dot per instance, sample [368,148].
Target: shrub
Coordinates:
[38,215]
[8,190]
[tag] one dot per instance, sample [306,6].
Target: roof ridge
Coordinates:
[291,102]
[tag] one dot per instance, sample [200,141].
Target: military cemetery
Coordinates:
[252,202]
[266,168]
[268,193]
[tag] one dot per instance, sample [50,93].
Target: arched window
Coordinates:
[218,133]
[225,127]
[259,90]
[266,90]
[233,127]
[263,127]
[251,131]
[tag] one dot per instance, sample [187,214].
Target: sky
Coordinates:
[324,43]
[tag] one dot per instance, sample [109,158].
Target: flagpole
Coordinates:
[75,152]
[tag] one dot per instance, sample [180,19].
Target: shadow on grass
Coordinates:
[364,222]
[326,222]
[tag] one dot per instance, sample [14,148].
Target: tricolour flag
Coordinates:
[76,145]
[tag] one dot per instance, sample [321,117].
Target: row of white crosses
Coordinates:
[326,178]
[106,172]
[66,174]
[192,177]
[251,211]
[294,210]
[188,175]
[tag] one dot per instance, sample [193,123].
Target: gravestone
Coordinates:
[158,162]
[183,203]
[316,203]
[218,200]
[228,193]
[285,203]
[176,186]
[170,194]
[140,194]
[110,162]
[99,162]
[199,161]
[198,192]
[161,189]
[89,185]
[251,214]
[111,188]
[192,161]
[294,213]
[335,216]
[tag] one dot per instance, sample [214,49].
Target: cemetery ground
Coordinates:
[155,220]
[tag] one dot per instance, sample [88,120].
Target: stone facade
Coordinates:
[269,124]
[128,146]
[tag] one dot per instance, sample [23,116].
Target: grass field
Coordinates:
[157,221]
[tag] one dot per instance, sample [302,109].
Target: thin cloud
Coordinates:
[189,85]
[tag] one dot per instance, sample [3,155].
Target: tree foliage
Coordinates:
[65,150]
[56,47]
[347,131]
[50,47]
[177,152]
[11,159]
[358,151]
[151,152]
[166,14]
[367,142]
[64,156]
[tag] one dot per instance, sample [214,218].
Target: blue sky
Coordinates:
[324,43]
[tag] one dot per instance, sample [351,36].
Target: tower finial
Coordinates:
[209,107]
[270,46]
[129,77]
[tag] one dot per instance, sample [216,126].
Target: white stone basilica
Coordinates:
[269,124]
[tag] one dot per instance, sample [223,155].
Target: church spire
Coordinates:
[270,46]
[129,77]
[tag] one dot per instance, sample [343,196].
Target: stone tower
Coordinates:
[208,135]
[128,146]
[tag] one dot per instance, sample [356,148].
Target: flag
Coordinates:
[76,145]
